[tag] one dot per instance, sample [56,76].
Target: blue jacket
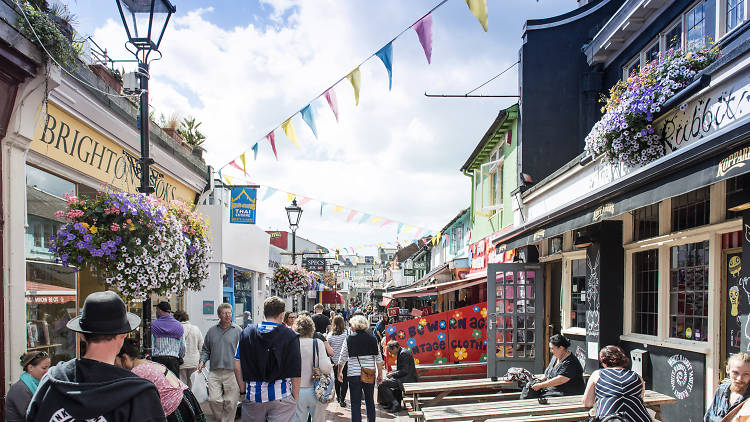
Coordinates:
[720,405]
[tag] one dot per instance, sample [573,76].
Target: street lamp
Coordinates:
[143,19]
[293,213]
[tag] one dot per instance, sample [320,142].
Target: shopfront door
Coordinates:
[516,322]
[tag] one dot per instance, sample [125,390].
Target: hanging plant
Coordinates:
[41,27]
[625,134]
[198,249]
[290,281]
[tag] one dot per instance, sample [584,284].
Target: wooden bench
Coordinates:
[444,388]
[468,398]
[515,410]
[565,417]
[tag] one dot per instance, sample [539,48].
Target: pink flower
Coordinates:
[114,227]
[59,214]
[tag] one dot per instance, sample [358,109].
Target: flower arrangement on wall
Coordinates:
[290,281]
[139,245]
[625,134]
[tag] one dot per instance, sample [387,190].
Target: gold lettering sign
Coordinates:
[733,161]
[69,141]
[606,210]
[539,234]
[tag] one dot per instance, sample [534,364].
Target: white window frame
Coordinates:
[684,24]
[721,18]
[494,166]
[566,320]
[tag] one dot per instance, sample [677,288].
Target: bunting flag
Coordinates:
[375,220]
[408,228]
[289,131]
[322,204]
[364,218]
[235,165]
[220,176]
[269,193]
[479,9]
[419,231]
[332,102]
[290,197]
[271,138]
[338,208]
[354,78]
[399,228]
[423,28]
[242,157]
[385,55]
[386,222]
[255,150]
[304,200]
[228,179]
[307,116]
[352,213]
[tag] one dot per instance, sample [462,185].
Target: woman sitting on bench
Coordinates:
[564,375]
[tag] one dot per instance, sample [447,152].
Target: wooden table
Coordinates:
[558,408]
[444,388]
[422,368]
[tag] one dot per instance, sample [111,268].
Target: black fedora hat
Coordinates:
[104,313]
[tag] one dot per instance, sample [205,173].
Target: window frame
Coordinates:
[685,28]
[721,18]
[494,179]
[566,321]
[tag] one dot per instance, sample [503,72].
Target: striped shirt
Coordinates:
[354,369]
[336,340]
[167,346]
[619,390]
[260,391]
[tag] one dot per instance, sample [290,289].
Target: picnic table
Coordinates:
[422,368]
[568,408]
[444,388]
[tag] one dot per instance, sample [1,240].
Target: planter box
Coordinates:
[106,76]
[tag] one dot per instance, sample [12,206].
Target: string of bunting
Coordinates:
[423,29]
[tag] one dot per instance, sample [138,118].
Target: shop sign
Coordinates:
[392,312]
[242,208]
[409,272]
[49,299]
[421,265]
[279,239]
[604,211]
[208,307]
[67,140]
[314,264]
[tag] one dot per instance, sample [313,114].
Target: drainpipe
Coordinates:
[471,206]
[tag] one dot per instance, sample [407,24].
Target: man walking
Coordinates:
[268,365]
[733,393]
[390,391]
[167,343]
[193,344]
[218,349]
[321,321]
[92,388]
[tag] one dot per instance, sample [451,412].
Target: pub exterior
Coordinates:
[649,257]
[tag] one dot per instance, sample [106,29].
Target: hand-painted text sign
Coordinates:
[243,204]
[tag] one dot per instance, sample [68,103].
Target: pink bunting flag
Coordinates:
[423,29]
[331,98]
[352,213]
[386,222]
[304,200]
[235,165]
[271,138]
[419,232]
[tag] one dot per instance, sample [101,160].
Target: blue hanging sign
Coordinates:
[244,201]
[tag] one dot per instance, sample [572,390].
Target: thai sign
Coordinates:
[455,336]
[242,208]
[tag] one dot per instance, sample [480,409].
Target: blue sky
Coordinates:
[243,67]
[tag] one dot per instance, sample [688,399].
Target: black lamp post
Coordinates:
[143,21]
[293,213]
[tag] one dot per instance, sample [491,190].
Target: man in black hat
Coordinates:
[92,388]
[167,342]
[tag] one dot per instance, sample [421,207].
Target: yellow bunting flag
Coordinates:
[375,220]
[338,208]
[479,9]
[242,157]
[291,197]
[228,179]
[354,78]
[289,131]
[407,229]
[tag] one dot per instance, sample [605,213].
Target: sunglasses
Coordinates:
[40,355]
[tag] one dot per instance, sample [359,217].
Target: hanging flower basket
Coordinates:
[132,240]
[195,234]
[625,134]
[290,281]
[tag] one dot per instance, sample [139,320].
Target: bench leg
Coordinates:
[416,402]
[437,398]
[658,416]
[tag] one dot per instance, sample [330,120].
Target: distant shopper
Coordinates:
[218,350]
[289,318]
[321,320]
[361,353]
[91,388]
[390,392]
[564,374]
[268,366]
[732,393]
[193,339]
[616,389]
[313,355]
[35,364]
[177,400]
[168,346]
[336,339]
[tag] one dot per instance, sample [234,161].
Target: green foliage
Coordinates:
[54,41]
[189,131]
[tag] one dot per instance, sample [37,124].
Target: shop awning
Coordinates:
[329,297]
[446,287]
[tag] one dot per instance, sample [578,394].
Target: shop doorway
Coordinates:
[513,329]
[552,310]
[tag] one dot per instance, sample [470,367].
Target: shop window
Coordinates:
[646,222]
[688,291]
[735,13]
[555,244]
[516,309]
[691,209]
[578,293]
[673,37]
[645,291]
[736,194]
[695,25]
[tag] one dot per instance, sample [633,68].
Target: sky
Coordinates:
[242,67]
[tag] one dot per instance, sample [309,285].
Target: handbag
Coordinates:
[322,383]
[366,375]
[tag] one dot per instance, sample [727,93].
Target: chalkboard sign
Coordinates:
[733,336]
[593,275]
[579,349]
[678,373]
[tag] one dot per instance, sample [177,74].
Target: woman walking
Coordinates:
[35,365]
[336,338]
[177,400]
[361,354]
[313,354]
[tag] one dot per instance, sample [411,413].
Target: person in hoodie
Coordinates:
[268,367]
[92,387]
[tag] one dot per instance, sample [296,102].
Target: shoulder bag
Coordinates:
[366,375]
